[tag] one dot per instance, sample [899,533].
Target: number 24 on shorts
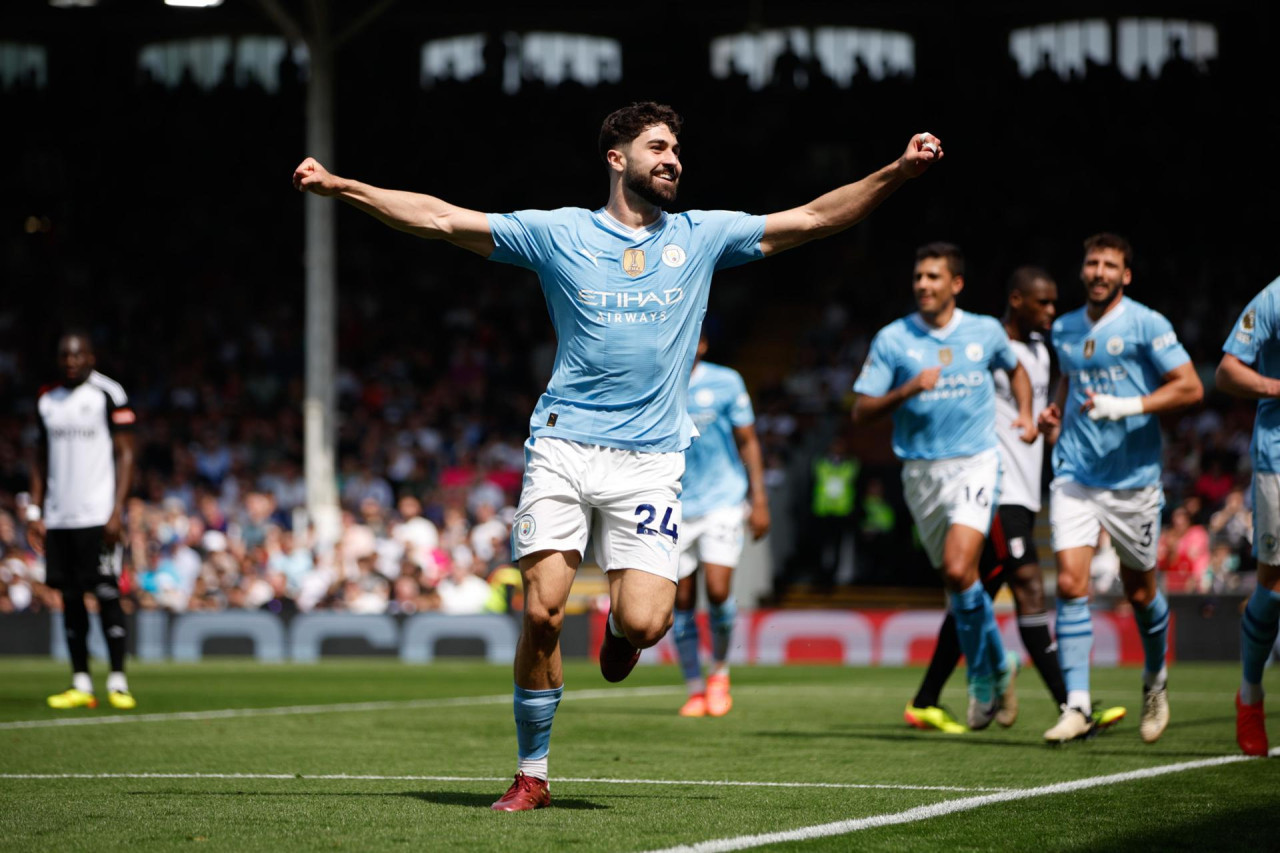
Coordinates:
[666,528]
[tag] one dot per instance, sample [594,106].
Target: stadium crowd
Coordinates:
[199,315]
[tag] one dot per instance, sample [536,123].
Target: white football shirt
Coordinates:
[1022,464]
[77,423]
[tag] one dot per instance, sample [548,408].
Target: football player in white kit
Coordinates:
[933,371]
[626,286]
[1122,365]
[79,484]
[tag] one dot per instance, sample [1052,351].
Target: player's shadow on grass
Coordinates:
[475,801]
[1122,743]
[443,798]
[1238,829]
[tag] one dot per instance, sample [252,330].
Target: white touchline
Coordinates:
[347,777]
[347,707]
[350,707]
[844,827]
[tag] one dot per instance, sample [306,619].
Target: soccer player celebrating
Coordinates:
[721,468]
[79,482]
[1250,368]
[932,370]
[1010,555]
[626,286]
[1121,366]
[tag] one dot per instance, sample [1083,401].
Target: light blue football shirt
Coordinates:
[958,417]
[1125,354]
[627,305]
[1255,340]
[713,472]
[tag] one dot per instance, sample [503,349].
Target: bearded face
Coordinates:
[657,185]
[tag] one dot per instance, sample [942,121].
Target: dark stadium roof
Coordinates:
[133,21]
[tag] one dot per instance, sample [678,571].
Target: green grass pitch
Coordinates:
[417,753]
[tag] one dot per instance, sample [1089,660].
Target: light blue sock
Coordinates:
[535,709]
[1153,627]
[723,616]
[1075,642]
[1258,631]
[685,628]
[974,618]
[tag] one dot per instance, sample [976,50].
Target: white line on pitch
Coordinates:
[392,705]
[347,707]
[341,777]
[844,827]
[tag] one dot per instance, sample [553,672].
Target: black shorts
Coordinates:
[1012,542]
[80,557]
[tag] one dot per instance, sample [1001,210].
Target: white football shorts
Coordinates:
[943,492]
[1266,517]
[627,502]
[714,538]
[1078,514]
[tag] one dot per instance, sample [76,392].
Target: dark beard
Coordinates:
[648,188]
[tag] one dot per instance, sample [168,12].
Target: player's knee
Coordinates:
[646,629]
[543,620]
[958,573]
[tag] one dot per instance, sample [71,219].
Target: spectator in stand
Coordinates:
[1183,552]
[463,591]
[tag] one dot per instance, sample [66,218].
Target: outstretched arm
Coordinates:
[1240,380]
[835,211]
[422,215]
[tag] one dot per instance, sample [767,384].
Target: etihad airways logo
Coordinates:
[648,306]
[624,301]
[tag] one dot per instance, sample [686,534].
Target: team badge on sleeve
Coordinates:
[1247,321]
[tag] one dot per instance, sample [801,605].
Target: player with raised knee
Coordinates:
[932,370]
[1122,365]
[626,286]
[722,468]
[1250,368]
[79,482]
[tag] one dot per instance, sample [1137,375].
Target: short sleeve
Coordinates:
[1162,342]
[876,378]
[1002,355]
[1256,325]
[522,238]
[740,412]
[734,236]
[120,415]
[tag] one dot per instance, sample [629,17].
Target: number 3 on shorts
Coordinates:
[666,528]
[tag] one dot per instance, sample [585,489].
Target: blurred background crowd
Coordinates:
[177,244]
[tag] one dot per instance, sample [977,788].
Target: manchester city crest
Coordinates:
[525,527]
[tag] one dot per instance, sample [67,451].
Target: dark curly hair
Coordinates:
[622,126]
